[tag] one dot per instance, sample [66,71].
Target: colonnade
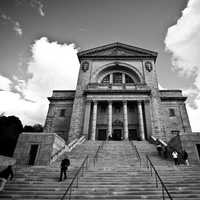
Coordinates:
[110,107]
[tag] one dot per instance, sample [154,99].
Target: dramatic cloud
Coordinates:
[183,41]
[53,66]
[15,24]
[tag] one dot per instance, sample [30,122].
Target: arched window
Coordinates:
[106,79]
[128,79]
[117,77]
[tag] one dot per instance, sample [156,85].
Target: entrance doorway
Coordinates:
[102,135]
[33,154]
[117,134]
[132,134]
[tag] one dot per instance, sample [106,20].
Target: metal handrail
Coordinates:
[57,152]
[85,162]
[81,168]
[97,152]
[137,153]
[157,177]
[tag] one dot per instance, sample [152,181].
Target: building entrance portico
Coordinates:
[117,134]
[116,120]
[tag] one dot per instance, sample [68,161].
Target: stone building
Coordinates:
[117,96]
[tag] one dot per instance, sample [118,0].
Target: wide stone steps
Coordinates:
[116,175]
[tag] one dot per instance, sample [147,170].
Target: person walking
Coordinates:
[159,149]
[5,175]
[63,168]
[185,157]
[175,157]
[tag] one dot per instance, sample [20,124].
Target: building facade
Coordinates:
[117,97]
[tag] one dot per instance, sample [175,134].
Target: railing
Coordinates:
[157,178]
[75,180]
[57,152]
[97,152]
[137,153]
[82,169]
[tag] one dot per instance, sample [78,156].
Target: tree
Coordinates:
[28,128]
[10,128]
[38,128]
[34,128]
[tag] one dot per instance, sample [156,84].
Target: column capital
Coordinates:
[88,101]
[110,101]
[124,101]
[95,101]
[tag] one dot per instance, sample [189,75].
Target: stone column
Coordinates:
[110,118]
[141,121]
[125,120]
[123,78]
[111,78]
[87,119]
[94,121]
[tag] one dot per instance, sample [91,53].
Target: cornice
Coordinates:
[173,98]
[106,92]
[60,98]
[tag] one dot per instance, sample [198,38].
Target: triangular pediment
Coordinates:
[117,50]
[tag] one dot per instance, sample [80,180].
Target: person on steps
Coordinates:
[5,175]
[185,157]
[159,149]
[63,168]
[175,157]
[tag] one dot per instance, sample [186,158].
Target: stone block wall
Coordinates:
[177,123]
[47,143]
[76,124]
[55,122]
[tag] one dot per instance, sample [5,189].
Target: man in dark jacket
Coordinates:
[185,157]
[63,168]
[5,175]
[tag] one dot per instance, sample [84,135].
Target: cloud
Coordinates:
[17,28]
[182,41]
[40,5]
[4,83]
[53,66]
[15,24]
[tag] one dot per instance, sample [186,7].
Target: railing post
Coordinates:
[163,194]
[82,171]
[156,181]
[70,193]
[77,182]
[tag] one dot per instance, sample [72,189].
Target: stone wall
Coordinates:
[76,124]
[48,144]
[55,122]
[179,123]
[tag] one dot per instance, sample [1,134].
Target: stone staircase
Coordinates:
[116,175]
[41,182]
[183,182]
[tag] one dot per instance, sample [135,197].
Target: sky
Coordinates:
[40,39]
